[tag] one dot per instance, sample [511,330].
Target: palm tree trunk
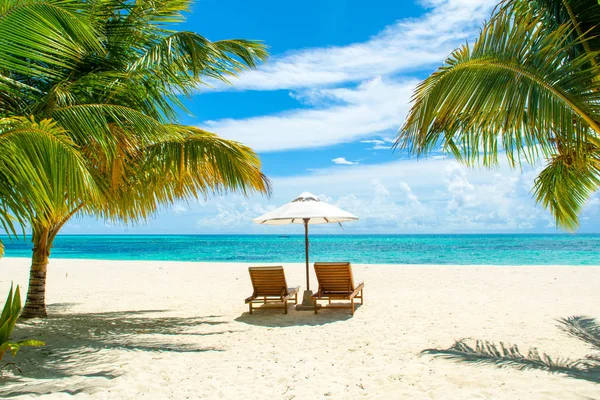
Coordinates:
[35,305]
[42,238]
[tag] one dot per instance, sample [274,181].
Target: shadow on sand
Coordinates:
[79,353]
[273,318]
[502,355]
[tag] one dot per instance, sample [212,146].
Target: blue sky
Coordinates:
[322,114]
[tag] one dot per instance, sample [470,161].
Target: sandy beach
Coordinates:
[169,330]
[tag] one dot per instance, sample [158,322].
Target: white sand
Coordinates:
[166,330]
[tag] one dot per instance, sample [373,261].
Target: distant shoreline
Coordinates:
[57,260]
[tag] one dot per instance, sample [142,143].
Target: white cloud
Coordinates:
[427,196]
[592,208]
[410,196]
[375,141]
[434,196]
[405,46]
[179,208]
[343,161]
[375,106]
[463,194]
[356,91]
[230,213]
[385,143]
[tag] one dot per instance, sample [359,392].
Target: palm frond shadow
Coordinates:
[505,355]
[80,347]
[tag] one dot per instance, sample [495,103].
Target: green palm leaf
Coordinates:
[44,38]
[565,185]
[192,163]
[579,14]
[186,54]
[101,125]
[46,171]
[516,90]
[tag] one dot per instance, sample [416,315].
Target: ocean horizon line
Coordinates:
[574,234]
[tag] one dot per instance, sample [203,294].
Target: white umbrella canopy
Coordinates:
[306,206]
[306,209]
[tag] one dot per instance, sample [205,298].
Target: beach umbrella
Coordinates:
[306,209]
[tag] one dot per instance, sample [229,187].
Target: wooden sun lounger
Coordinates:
[270,287]
[337,283]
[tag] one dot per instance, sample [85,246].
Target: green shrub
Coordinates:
[10,313]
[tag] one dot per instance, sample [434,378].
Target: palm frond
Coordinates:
[565,185]
[13,212]
[46,172]
[518,89]
[188,54]
[45,38]
[579,14]
[137,90]
[101,126]
[193,164]
[250,52]
[14,86]
[512,87]
[156,12]
[209,162]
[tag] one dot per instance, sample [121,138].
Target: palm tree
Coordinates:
[100,81]
[530,86]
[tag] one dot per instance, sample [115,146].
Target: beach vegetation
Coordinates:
[528,88]
[582,328]
[90,93]
[8,319]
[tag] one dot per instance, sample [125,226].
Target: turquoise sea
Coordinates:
[580,249]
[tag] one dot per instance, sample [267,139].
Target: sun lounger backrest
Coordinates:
[268,281]
[334,277]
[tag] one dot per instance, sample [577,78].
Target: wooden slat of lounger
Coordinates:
[268,281]
[334,277]
[336,282]
[270,287]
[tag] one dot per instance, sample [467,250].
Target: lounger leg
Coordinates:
[352,305]
[285,306]
[361,296]
[329,299]
[250,306]
[316,305]
[296,299]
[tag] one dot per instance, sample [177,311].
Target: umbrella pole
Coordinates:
[307,302]
[306,250]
